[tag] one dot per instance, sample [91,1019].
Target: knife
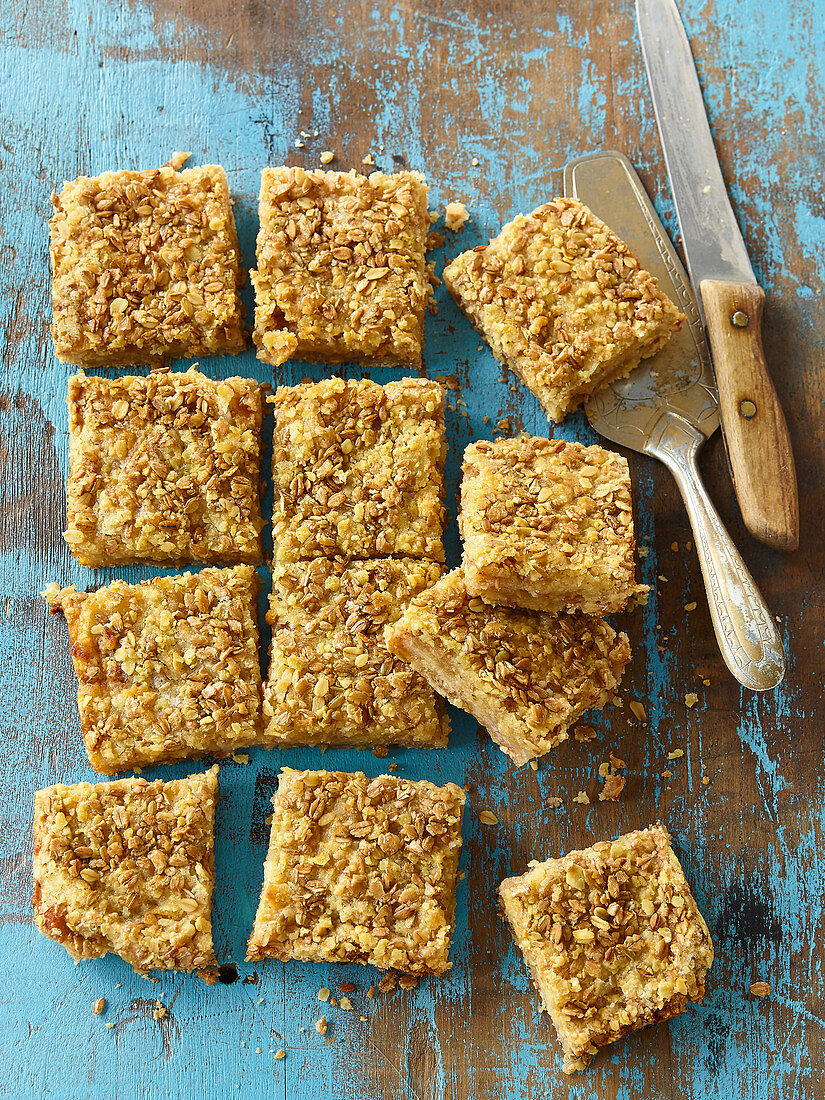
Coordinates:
[729,298]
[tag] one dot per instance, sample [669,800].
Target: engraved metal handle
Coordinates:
[744,627]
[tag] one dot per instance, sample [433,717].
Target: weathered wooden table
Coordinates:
[490,100]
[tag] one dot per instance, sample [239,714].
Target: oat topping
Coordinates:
[562,302]
[167,669]
[760,989]
[146,267]
[99,1007]
[547,525]
[341,272]
[360,870]
[358,469]
[525,675]
[164,469]
[332,680]
[128,867]
[612,938]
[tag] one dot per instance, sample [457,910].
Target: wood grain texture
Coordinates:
[87,85]
[756,432]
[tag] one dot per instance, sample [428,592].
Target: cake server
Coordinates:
[667,407]
[729,298]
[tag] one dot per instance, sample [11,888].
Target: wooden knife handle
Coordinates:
[756,433]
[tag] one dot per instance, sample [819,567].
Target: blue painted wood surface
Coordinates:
[89,86]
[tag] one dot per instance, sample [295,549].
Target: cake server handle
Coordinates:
[745,630]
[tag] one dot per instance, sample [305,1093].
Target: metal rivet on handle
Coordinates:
[747,409]
[740,319]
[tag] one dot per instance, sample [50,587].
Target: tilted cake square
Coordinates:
[548,525]
[332,680]
[612,937]
[164,469]
[525,675]
[358,469]
[167,669]
[145,267]
[563,303]
[360,870]
[128,867]
[341,271]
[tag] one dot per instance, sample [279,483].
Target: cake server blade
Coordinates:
[667,407]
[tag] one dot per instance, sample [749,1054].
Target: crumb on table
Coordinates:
[562,302]
[358,469]
[524,675]
[612,937]
[332,680]
[165,469]
[167,669]
[341,271]
[128,867]
[455,215]
[547,525]
[360,870]
[145,267]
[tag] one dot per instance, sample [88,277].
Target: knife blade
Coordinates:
[730,299]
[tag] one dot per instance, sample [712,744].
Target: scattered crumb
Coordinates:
[260,1001]
[486,419]
[676,754]
[487,817]
[690,606]
[333,1001]
[434,240]
[433,216]
[637,710]
[662,579]
[760,989]
[387,983]
[209,975]
[408,982]
[380,751]
[617,762]
[258,1050]
[345,1004]
[553,802]
[371,991]
[392,767]
[363,1019]
[279,1054]
[674,546]
[582,798]
[688,545]
[706,683]
[534,765]
[323,993]
[666,774]
[584,733]
[298,143]
[160,1012]
[613,787]
[643,551]
[474,162]
[347,987]
[455,215]
[617,700]
[240,757]
[99,1006]
[327,156]
[604,770]
[321,1025]
[691,699]
[110,1025]
[705,780]
[368,159]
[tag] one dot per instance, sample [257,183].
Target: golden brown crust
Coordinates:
[128,867]
[341,271]
[167,669]
[524,675]
[164,469]
[548,525]
[332,680]
[562,302]
[146,267]
[612,937]
[358,469]
[360,870]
